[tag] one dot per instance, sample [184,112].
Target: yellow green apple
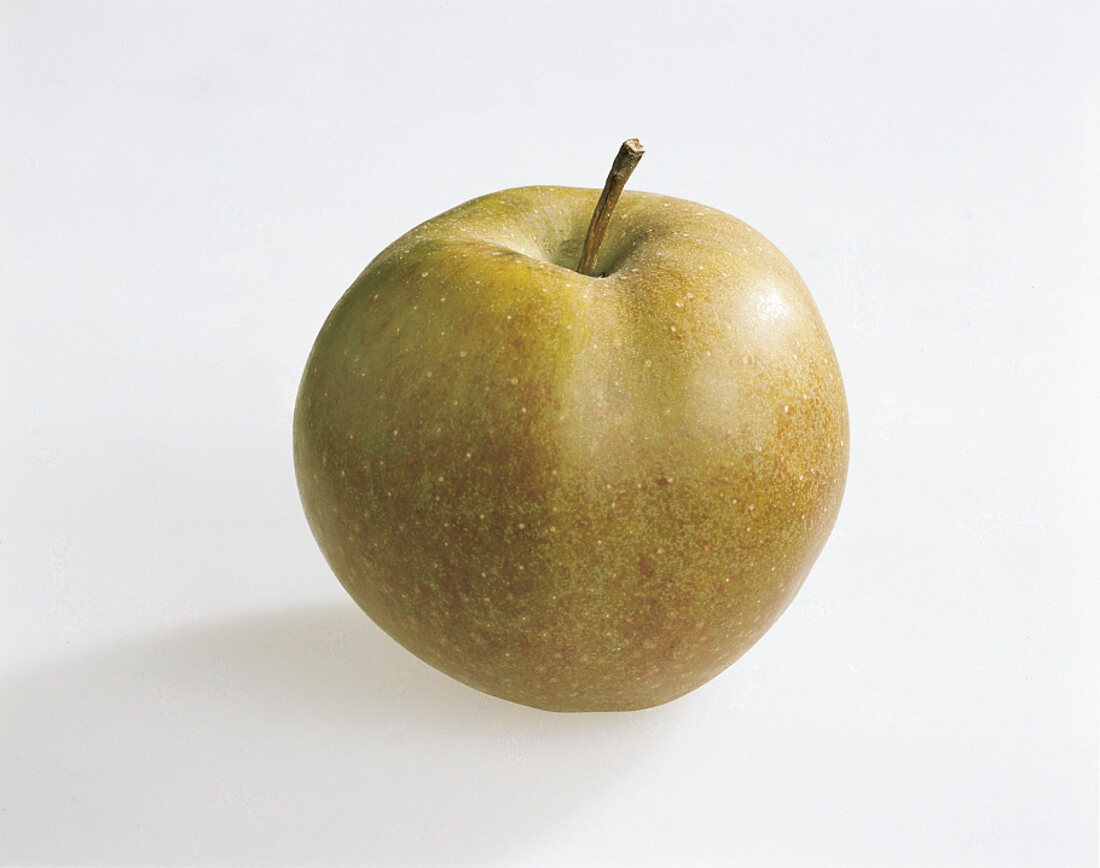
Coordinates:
[574,491]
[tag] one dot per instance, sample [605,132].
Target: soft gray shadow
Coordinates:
[296,737]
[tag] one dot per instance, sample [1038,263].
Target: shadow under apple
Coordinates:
[304,736]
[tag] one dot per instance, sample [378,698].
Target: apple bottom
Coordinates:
[631,601]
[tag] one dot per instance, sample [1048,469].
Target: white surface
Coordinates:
[187,189]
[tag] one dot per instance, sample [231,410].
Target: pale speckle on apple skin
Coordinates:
[543,505]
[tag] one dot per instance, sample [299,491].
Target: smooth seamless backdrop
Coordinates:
[188,188]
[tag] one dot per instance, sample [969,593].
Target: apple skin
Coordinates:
[577,493]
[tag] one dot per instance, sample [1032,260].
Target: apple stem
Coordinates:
[630,153]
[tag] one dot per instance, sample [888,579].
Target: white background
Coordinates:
[186,189]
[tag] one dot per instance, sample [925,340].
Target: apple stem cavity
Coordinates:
[630,153]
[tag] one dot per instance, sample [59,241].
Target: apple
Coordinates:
[577,491]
